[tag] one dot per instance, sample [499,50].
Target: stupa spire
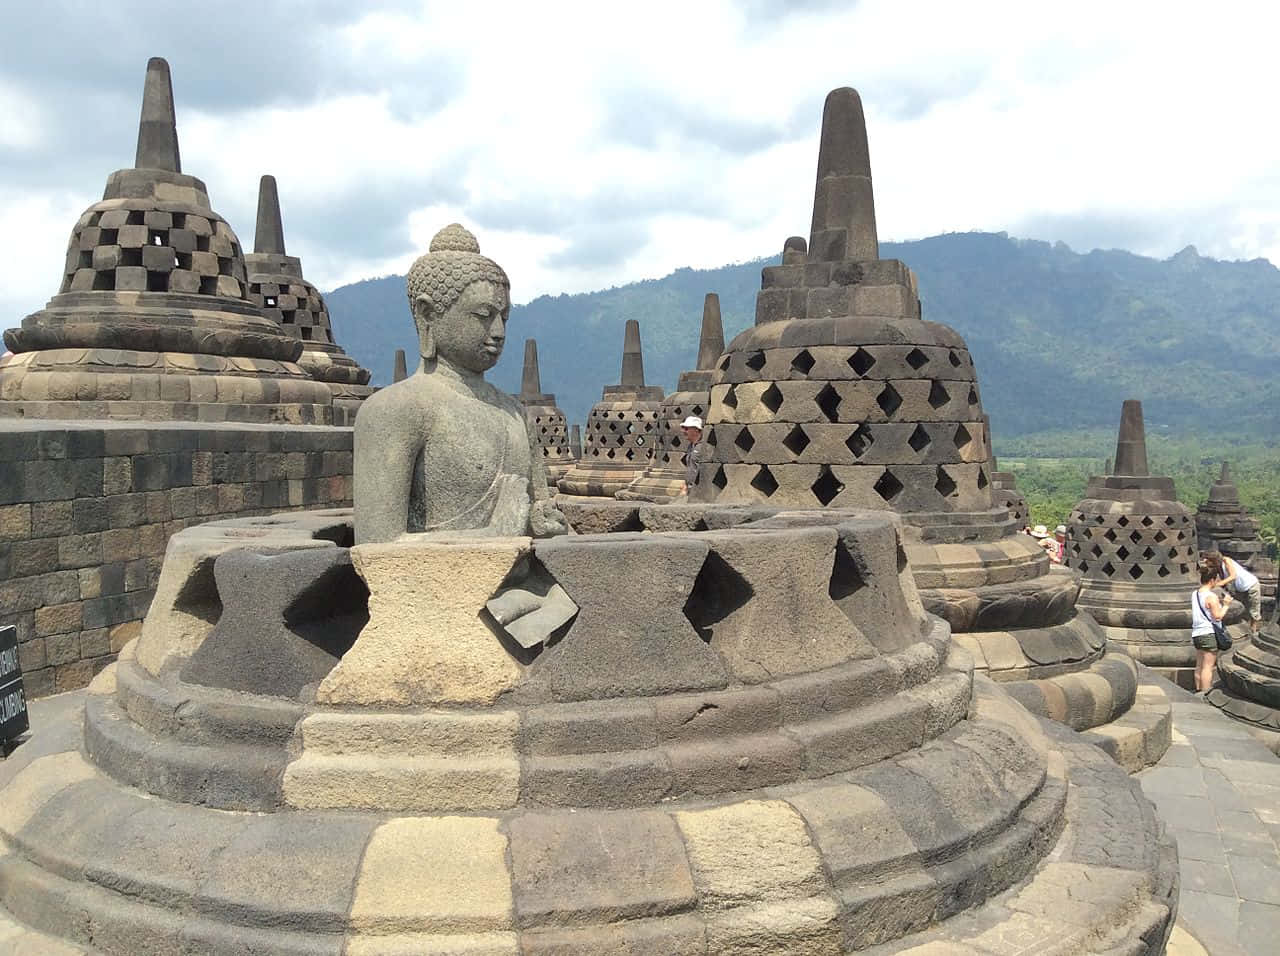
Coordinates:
[1131,443]
[399,371]
[268,238]
[632,358]
[844,214]
[711,340]
[531,382]
[158,126]
[1226,473]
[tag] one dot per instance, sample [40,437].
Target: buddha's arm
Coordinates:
[385,451]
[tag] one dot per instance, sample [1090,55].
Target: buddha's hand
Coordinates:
[546,520]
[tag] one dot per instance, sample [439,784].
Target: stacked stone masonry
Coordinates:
[86,511]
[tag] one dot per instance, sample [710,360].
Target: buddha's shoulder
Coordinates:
[410,398]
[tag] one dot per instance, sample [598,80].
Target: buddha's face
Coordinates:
[471,332]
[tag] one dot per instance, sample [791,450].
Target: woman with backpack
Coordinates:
[1207,612]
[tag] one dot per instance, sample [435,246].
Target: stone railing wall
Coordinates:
[87,509]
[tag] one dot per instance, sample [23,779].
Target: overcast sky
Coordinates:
[593,144]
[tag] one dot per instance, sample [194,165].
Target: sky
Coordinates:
[593,144]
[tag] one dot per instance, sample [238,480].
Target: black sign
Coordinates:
[13,702]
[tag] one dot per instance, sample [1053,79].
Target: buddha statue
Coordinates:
[444,450]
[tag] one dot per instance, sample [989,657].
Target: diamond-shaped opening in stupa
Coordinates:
[938,396]
[919,439]
[796,441]
[889,400]
[803,362]
[764,482]
[887,486]
[772,398]
[860,441]
[827,487]
[917,359]
[945,485]
[828,402]
[861,361]
[745,441]
[755,361]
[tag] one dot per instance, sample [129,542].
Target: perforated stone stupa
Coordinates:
[1135,545]
[546,421]
[277,287]
[664,480]
[842,396]
[622,429]
[1223,525]
[153,318]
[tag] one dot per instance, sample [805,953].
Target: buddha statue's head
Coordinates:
[460,302]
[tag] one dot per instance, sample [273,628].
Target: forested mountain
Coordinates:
[1059,338]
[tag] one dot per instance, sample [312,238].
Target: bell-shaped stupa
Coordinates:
[546,421]
[1135,545]
[277,287]
[622,429]
[842,396]
[664,480]
[153,319]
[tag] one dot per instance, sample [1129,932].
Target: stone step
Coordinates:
[1140,737]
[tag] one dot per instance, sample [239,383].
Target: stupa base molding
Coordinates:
[1021,836]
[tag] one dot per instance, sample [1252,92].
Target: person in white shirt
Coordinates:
[1206,608]
[1232,574]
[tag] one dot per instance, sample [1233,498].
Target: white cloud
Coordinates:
[591,144]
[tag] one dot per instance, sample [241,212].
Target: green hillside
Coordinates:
[1059,338]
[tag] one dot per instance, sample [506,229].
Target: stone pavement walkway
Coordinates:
[1218,790]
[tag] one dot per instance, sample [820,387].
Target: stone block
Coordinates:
[52,517]
[117,476]
[597,867]
[57,618]
[62,648]
[32,655]
[15,520]
[669,936]
[34,556]
[644,647]
[286,620]
[755,851]
[95,642]
[131,279]
[589,727]
[438,874]
[427,640]
[72,676]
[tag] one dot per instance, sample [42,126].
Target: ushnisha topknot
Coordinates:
[453,263]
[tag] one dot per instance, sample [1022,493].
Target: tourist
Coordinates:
[691,428]
[1058,547]
[1238,578]
[1206,607]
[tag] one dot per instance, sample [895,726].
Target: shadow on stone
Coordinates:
[718,591]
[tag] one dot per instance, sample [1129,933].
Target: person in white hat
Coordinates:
[1039,532]
[691,428]
[1058,547]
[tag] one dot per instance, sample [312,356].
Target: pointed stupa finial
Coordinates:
[632,358]
[575,442]
[1226,473]
[1106,468]
[1131,443]
[531,382]
[268,238]
[711,339]
[400,372]
[844,214]
[158,127]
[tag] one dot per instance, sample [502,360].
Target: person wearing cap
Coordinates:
[1057,548]
[691,428]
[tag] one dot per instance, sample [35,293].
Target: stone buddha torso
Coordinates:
[443,450]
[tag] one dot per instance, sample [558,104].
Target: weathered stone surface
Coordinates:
[427,640]
[647,646]
[598,867]
[438,874]
[754,586]
[286,621]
